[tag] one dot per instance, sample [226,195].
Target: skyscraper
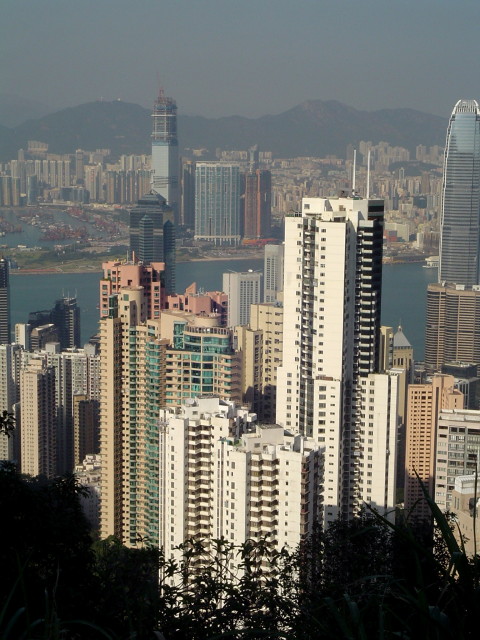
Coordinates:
[217,203]
[453,305]
[148,364]
[38,418]
[10,358]
[460,223]
[188,194]
[5,337]
[59,324]
[257,204]
[273,271]
[452,325]
[425,401]
[243,289]
[79,166]
[260,348]
[76,373]
[65,316]
[152,234]
[127,274]
[328,386]
[234,485]
[165,151]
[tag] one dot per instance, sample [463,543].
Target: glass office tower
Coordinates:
[217,203]
[165,151]
[152,234]
[460,224]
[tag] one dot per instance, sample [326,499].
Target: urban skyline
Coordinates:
[313,358]
[256,455]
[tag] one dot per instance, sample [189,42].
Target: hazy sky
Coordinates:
[246,57]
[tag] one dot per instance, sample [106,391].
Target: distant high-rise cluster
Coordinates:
[225,203]
[442,426]
[273,406]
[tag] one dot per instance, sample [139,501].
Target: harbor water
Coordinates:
[403,294]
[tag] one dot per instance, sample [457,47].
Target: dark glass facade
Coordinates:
[460,224]
[5,334]
[152,234]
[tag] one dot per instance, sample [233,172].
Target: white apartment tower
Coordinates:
[38,418]
[457,452]
[273,272]
[10,358]
[225,476]
[328,386]
[77,373]
[243,289]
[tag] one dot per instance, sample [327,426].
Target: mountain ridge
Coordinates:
[312,128]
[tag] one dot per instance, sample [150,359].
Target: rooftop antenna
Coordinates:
[160,88]
[368,174]
[354,171]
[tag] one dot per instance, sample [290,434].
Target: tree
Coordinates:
[7,423]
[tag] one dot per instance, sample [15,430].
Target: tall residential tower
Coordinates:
[5,337]
[329,386]
[257,204]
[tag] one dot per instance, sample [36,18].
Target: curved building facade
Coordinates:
[460,225]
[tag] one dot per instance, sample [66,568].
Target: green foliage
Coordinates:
[45,553]
[204,596]
[7,423]
[127,594]
[358,580]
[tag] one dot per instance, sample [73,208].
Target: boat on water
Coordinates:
[432,262]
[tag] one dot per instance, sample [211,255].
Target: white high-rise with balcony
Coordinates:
[329,386]
[225,477]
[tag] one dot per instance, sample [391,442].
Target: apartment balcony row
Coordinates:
[263,513]
[255,493]
[269,504]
